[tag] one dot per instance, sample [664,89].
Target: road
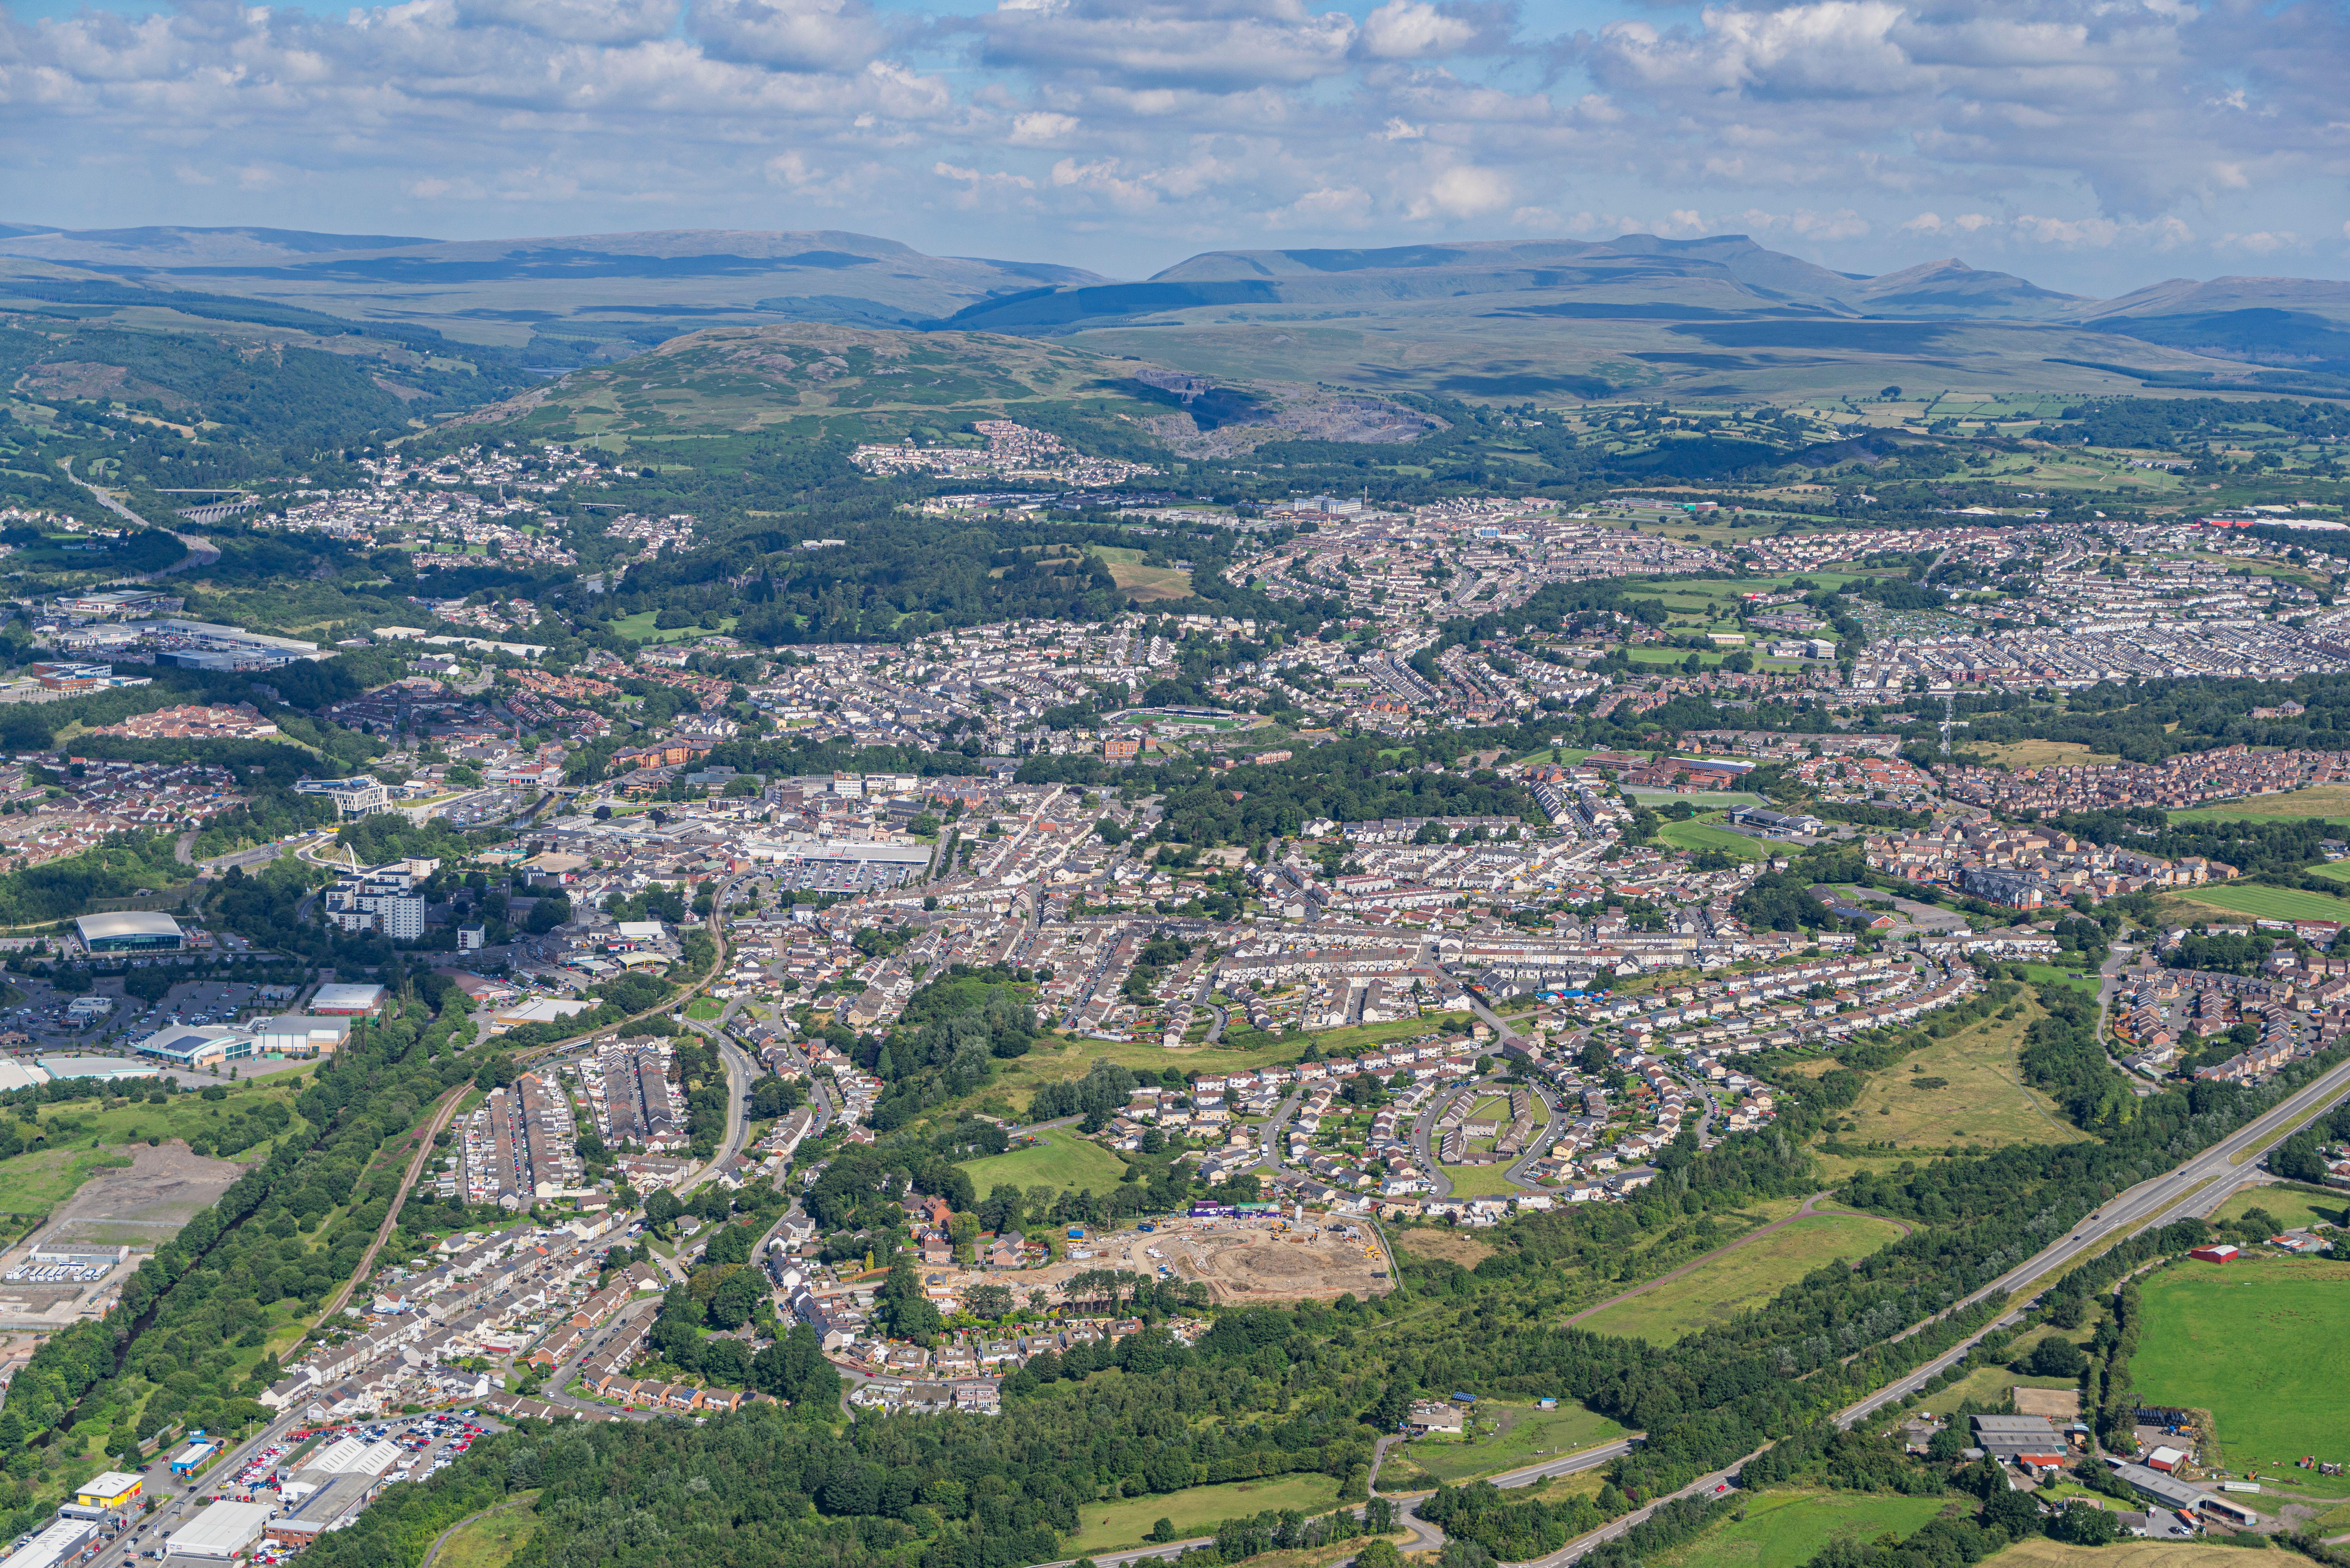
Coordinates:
[1541,1147]
[1422,1125]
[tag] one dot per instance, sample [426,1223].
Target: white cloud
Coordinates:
[2088,135]
[1461,192]
[790,35]
[1040,126]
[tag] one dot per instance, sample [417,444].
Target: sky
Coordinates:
[2091,145]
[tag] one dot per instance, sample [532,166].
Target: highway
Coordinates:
[2148,1204]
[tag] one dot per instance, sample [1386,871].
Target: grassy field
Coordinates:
[1966,1089]
[2051,974]
[1711,799]
[1741,1278]
[1138,581]
[2043,753]
[639,627]
[1065,1160]
[1787,1529]
[703,1009]
[1705,832]
[37,1182]
[1526,1435]
[2262,1346]
[490,1539]
[2329,803]
[2292,1206]
[2269,903]
[1479,1180]
[1196,1511]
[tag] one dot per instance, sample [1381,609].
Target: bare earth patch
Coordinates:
[145,1205]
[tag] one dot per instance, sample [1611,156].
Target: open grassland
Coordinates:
[1739,1278]
[1197,1511]
[2269,903]
[2329,803]
[1963,1089]
[37,1182]
[2042,753]
[2290,1205]
[1525,1436]
[491,1540]
[2264,1345]
[1787,1528]
[1138,581]
[1065,1160]
[1701,833]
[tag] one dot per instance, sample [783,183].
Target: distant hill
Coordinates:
[1721,316]
[556,300]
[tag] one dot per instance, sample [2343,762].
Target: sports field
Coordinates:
[1065,1160]
[1710,799]
[2269,903]
[1742,1277]
[1197,1511]
[2264,1345]
[1706,832]
[1787,1528]
[1962,1090]
[1526,1435]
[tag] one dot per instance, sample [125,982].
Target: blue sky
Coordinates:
[2093,145]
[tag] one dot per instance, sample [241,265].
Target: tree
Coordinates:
[988,1301]
[2057,1356]
[2085,1524]
[662,1209]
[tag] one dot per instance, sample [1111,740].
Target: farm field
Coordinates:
[2290,1205]
[1197,1511]
[2270,903]
[1966,1090]
[2261,1344]
[1065,1160]
[2043,753]
[1527,1434]
[1740,1278]
[1787,1528]
[1705,832]
[2326,802]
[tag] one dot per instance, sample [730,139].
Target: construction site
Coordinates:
[1247,1258]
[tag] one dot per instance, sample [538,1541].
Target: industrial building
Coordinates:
[347,1001]
[299,1035]
[222,1531]
[2009,1438]
[60,1543]
[195,1046]
[129,932]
